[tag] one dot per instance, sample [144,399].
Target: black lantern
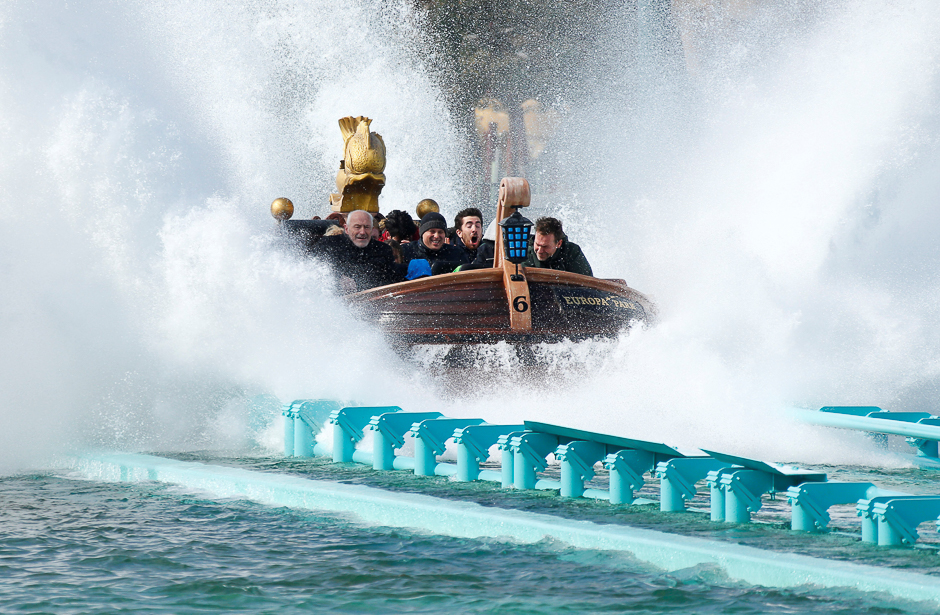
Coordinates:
[516,239]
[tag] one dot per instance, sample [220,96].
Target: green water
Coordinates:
[75,546]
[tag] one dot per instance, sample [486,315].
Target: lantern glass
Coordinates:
[516,237]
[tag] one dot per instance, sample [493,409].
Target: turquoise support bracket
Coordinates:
[810,502]
[348,424]
[892,520]
[744,486]
[898,518]
[678,477]
[287,411]
[865,509]
[431,438]
[716,488]
[926,447]
[306,418]
[577,465]
[743,489]
[507,458]
[529,451]
[390,430]
[625,472]
[627,468]
[473,447]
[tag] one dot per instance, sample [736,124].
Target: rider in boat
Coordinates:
[468,229]
[400,227]
[441,256]
[553,250]
[361,261]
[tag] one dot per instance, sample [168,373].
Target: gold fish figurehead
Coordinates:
[361,176]
[364,151]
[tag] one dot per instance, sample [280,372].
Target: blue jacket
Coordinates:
[448,257]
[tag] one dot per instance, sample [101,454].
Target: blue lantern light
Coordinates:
[516,241]
[516,238]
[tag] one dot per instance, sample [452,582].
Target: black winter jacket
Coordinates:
[568,257]
[448,254]
[371,266]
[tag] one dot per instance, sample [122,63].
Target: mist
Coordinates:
[774,192]
[146,304]
[770,187]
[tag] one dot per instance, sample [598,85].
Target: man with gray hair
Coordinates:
[361,261]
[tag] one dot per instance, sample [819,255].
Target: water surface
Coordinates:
[75,546]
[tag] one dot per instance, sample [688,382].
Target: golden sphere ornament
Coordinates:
[282,208]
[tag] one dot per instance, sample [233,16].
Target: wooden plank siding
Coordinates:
[472,307]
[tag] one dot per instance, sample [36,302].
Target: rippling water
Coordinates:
[779,203]
[74,546]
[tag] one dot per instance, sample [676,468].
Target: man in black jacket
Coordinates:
[468,231]
[443,257]
[360,261]
[552,249]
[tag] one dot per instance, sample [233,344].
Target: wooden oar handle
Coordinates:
[514,192]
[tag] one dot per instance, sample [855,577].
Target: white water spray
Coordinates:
[142,144]
[777,204]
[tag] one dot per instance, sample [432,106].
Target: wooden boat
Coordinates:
[516,304]
[507,302]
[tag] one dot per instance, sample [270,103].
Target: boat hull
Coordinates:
[474,307]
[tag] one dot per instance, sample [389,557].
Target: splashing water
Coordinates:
[775,200]
[777,203]
[142,144]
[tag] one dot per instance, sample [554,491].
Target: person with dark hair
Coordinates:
[486,252]
[468,227]
[378,221]
[441,256]
[360,261]
[553,250]
[395,245]
[400,227]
